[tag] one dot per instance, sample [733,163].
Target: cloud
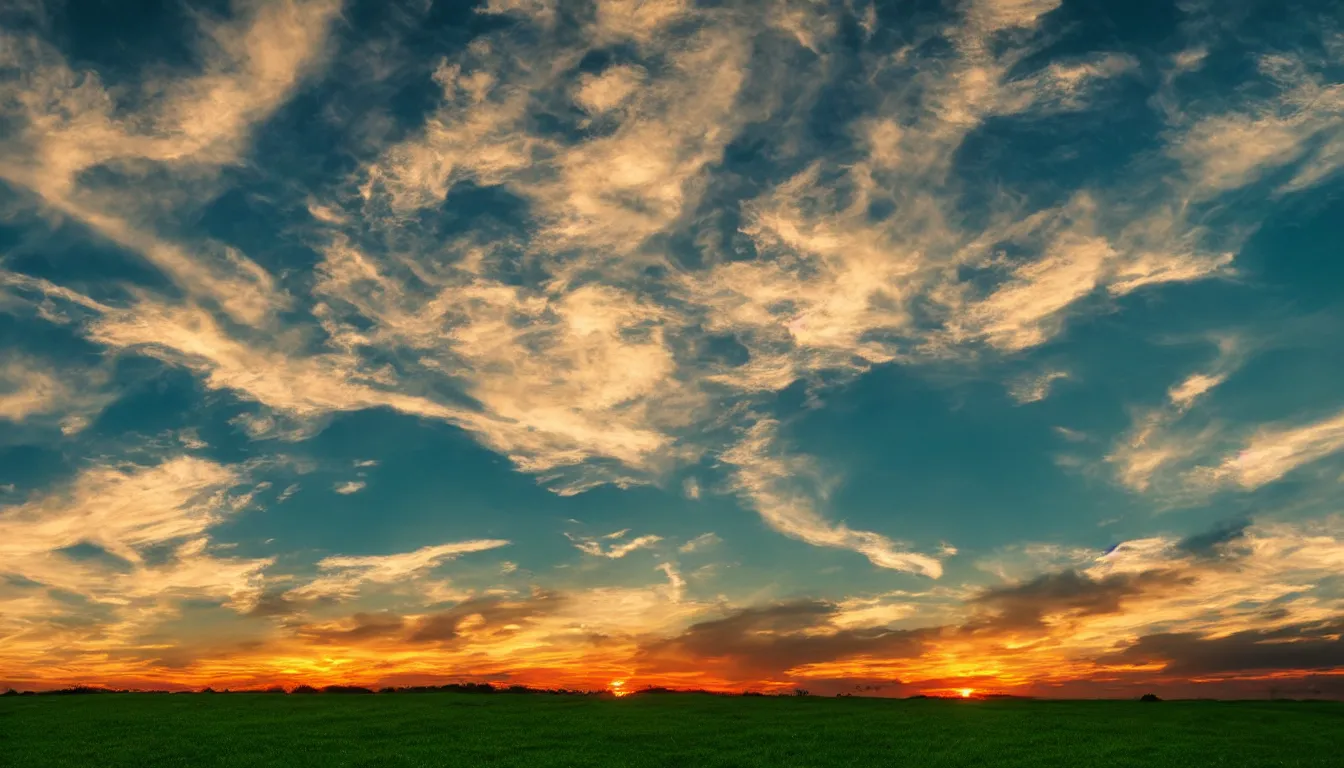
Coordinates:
[567,334]
[768,479]
[591,546]
[67,123]
[676,582]
[1215,542]
[701,542]
[349,487]
[1158,446]
[1033,389]
[342,575]
[114,551]
[691,488]
[483,618]
[1226,151]
[1297,647]
[767,642]
[31,390]
[1069,593]
[124,509]
[1183,395]
[1272,452]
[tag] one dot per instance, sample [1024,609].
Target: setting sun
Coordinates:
[966,692]
[618,688]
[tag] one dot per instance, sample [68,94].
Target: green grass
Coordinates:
[676,731]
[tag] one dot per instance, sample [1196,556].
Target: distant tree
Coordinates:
[800,692]
[346,689]
[207,689]
[304,689]
[10,692]
[275,689]
[1149,697]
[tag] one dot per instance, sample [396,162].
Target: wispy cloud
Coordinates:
[349,487]
[343,575]
[1035,388]
[701,542]
[771,483]
[616,550]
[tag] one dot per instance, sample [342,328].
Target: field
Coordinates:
[678,731]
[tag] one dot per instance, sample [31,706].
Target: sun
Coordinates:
[618,688]
[966,692]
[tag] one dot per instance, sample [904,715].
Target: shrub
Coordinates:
[304,689]
[1149,697]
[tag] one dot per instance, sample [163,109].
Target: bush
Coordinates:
[1149,697]
[304,689]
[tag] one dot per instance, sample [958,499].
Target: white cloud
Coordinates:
[701,542]
[769,481]
[691,488]
[343,575]
[676,583]
[349,487]
[123,509]
[1033,389]
[1184,394]
[1273,452]
[592,546]
[1226,151]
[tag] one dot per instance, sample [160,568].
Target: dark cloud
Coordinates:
[277,604]
[773,639]
[368,626]
[1022,606]
[1215,542]
[1304,647]
[487,615]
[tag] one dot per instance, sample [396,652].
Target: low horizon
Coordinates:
[855,347]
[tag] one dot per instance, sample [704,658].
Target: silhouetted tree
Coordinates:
[346,689]
[10,692]
[800,692]
[304,689]
[1149,697]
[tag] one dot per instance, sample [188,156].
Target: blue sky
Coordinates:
[925,346]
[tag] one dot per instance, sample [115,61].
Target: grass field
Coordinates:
[675,731]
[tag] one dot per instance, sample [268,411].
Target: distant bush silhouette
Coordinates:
[752,693]
[10,692]
[78,690]
[801,692]
[274,689]
[1149,697]
[207,689]
[305,689]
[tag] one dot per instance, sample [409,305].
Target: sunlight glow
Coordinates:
[618,688]
[966,692]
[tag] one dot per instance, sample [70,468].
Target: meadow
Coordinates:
[453,729]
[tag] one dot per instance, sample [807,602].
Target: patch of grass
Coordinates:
[451,729]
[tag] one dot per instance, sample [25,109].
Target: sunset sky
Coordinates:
[885,348]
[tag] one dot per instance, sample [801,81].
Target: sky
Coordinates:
[882,348]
